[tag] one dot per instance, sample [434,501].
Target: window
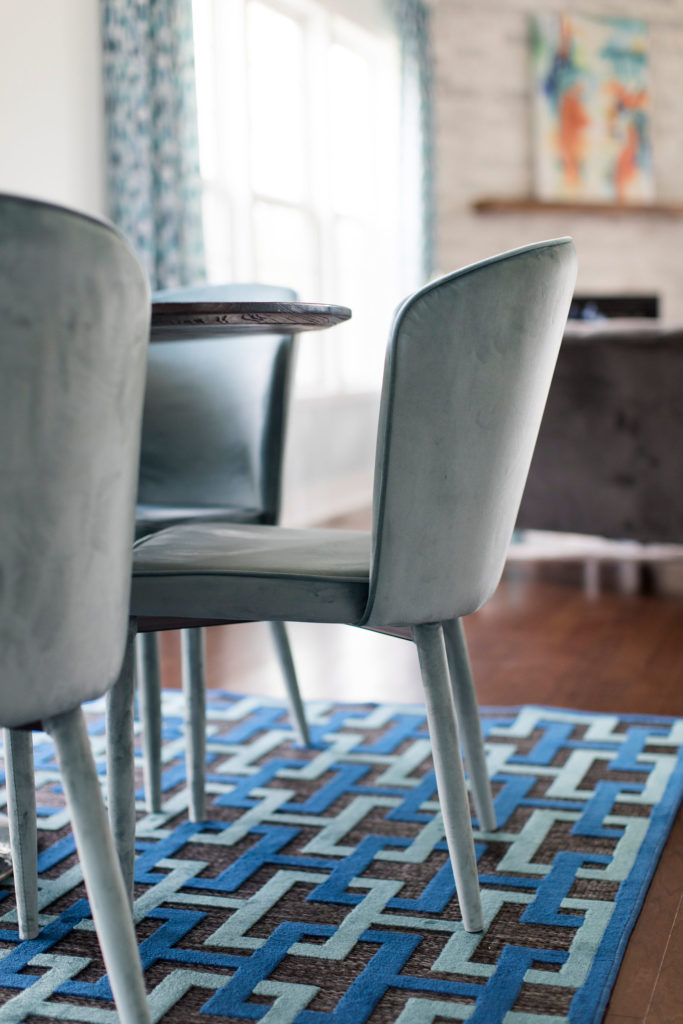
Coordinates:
[299,148]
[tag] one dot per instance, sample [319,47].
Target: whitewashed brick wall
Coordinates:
[483,147]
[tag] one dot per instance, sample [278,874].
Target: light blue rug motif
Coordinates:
[319,892]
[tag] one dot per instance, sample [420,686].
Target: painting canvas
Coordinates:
[591,101]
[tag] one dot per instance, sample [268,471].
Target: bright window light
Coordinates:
[276,89]
[299,149]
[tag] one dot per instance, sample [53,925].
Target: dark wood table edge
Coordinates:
[177,320]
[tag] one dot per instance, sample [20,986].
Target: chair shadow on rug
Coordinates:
[469,364]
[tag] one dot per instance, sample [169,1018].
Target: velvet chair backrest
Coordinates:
[74,316]
[215,410]
[469,365]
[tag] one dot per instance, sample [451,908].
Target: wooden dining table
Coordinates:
[182,321]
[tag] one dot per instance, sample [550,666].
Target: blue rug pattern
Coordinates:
[319,892]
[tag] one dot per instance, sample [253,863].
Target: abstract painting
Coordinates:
[591,100]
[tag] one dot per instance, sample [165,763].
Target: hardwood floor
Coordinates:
[537,641]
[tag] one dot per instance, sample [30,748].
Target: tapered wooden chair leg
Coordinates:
[149,695]
[108,897]
[121,762]
[296,708]
[450,776]
[23,835]
[469,723]
[194,688]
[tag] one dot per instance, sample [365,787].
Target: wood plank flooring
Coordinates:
[537,641]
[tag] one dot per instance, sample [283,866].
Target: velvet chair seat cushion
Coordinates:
[243,572]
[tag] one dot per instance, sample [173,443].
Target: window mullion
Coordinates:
[321,155]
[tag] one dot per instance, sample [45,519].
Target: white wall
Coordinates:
[483,146]
[51,106]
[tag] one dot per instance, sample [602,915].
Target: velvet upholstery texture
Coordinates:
[323,572]
[74,308]
[469,363]
[609,457]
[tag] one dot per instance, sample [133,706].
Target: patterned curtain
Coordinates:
[417,167]
[153,160]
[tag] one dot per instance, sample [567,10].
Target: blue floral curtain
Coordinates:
[153,161]
[417,147]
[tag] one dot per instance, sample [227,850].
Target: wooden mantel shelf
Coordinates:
[528,205]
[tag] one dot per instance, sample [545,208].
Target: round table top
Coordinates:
[177,321]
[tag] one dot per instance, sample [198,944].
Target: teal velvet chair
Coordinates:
[74,308]
[213,440]
[469,364]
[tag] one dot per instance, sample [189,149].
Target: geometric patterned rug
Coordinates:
[319,892]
